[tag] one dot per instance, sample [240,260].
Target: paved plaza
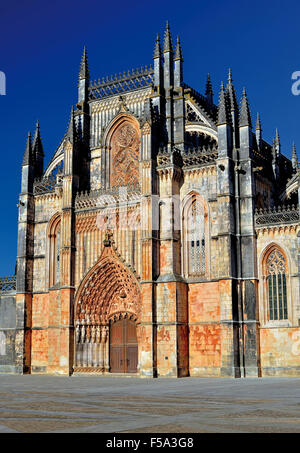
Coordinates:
[39,404]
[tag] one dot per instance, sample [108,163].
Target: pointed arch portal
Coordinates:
[107,313]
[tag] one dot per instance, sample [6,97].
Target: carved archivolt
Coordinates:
[109,290]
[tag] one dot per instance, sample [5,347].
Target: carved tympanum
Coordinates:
[125,155]
[109,289]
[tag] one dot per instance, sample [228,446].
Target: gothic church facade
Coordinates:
[161,240]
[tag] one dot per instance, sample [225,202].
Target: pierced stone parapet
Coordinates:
[277,215]
[122,83]
[47,184]
[194,157]
[7,284]
[102,198]
[165,158]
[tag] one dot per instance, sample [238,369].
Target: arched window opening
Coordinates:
[196,244]
[57,249]
[54,255]
[276,269]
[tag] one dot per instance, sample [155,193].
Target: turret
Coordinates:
[168,86]
[25,254]
[224,125]
[246,251]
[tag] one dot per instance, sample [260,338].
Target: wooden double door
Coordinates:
[123,347]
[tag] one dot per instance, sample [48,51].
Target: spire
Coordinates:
[231,92]
[273,148]
[157,63]
[208,90]
[38,152]
[245,117]
[168,40]
[178,53]
[37,145]
[223,111]
[294,158]
[277,143]
[169,63]
[275,165]
[234,108]
[157,48]
[28,156]
[277,139]
[258,131]
[178,65]
[258,123]
[71,132]
[84,67]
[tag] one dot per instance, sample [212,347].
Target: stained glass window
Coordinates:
[277,287]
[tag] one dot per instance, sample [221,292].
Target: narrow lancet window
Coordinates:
[54,253]
[57,248]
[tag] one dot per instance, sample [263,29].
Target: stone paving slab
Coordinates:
[87,404]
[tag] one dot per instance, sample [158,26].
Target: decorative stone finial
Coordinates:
[223,110]
[178,53]
[258,122]
[157,48]
[168,40]
[84,67]
[245,117]
[28,155]
[108,239]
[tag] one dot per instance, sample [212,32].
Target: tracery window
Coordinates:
[276,269]
[196,243]
[54,253]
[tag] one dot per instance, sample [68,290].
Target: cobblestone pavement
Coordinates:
[130,405]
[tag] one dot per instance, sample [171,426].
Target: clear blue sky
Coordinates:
[41,47]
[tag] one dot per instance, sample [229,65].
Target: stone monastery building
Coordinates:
[161,239]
